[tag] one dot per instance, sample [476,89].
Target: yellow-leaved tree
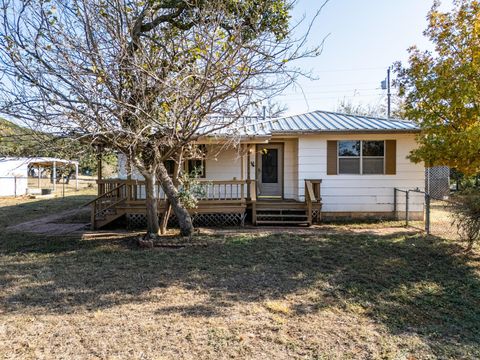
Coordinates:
[442,89]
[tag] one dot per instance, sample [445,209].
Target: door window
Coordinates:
[270,166]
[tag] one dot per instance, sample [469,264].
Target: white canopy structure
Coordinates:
[17,169]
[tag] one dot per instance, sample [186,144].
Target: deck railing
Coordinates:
[214,190]
[114,195]
[312,197]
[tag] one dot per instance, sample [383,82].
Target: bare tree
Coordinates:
[271,109]
[144,77]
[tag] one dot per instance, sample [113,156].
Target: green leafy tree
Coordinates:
[442,89]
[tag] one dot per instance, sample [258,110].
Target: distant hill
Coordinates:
[14,139]
[9,128]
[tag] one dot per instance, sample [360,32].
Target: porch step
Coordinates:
[101,221]
[276,222]
[282,215]
[280,206]
[285,214]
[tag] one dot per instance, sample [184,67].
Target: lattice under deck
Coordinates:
[135,221]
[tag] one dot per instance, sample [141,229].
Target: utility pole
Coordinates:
[389,94]
[387,86]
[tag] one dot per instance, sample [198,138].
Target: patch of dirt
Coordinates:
[57,224]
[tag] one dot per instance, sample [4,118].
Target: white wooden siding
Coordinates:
[360,193]
[223,163]
[290,178]
[220,164]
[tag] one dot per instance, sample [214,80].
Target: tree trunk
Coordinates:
[183,217]
[153,227]
[166,216]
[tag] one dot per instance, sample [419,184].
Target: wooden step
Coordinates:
[282,209]
[282,215]
[270,206]
[105,220]
[274,222]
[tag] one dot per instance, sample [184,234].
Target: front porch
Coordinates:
[223,202]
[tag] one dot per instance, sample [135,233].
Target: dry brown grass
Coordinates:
[313,294]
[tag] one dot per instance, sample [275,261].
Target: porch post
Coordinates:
[76,176]
[54,175]
[99,166]
[129,168]
[248,170]
[248,162]
[39,172]
[99,171]
[242,162]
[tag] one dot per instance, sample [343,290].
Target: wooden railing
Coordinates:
[113,196]
[223,190]
[312,197]
[214,190]
[252,196]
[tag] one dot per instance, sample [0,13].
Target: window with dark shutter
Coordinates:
[366,157]
[331,157]
[391,157]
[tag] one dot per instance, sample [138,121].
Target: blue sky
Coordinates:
[366,36]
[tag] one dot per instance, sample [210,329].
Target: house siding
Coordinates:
[360,193]
[221,164]
[290,178]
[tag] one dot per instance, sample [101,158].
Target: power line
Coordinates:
[332,91]
[339,97]
[352,69]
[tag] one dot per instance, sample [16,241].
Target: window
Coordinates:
[270,166]
[170,166]
[349,157]
[196,167]
[361,157]
[373,157]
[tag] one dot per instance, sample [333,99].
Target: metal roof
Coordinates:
[318,122]
[37,160]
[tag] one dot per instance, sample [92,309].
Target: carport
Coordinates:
[53,163]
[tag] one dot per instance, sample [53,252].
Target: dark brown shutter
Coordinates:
[390,157]
[331,157]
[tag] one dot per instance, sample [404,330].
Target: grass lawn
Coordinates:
[309,295]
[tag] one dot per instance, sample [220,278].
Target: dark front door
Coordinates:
[270,171]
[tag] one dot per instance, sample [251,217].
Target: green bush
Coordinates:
[191,188]
[466,209]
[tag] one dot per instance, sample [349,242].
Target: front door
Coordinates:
[270,171]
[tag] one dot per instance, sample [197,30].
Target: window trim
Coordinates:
[361,157]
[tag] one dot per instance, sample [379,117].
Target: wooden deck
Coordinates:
[118,198]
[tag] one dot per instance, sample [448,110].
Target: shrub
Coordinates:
[466,212]
[191,189]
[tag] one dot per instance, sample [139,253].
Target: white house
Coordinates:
[348,164]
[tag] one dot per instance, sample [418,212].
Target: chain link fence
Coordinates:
[24,186]
[435,216]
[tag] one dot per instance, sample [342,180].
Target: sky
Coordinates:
[365,37]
